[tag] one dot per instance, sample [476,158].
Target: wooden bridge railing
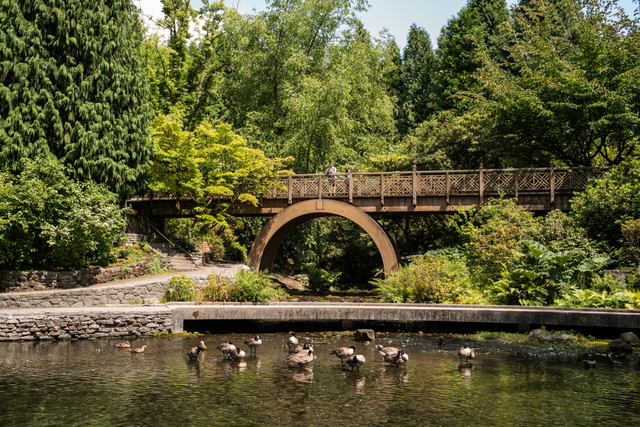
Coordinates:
[414,184]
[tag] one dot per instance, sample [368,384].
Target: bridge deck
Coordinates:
[578,317]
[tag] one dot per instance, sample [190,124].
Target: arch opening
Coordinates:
[264,248]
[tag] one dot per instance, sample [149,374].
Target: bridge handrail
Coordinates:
[416,183]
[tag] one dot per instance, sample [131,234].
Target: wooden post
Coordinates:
[552,183]
[320,187]
[290,190]
[350,185]
[588,177]
[448,184]
[382,188]
[414,181]
[481,184]
[515,184]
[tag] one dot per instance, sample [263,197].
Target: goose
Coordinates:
[343,353]
[138,350]
[195,351]
[123,345]
[440,341]
[236,354]
[226,348]
[298,349]
[202,346]
[589,363]
[356,361]
[293,341]
[466,353]
[386,351]
[398,359]
[253,343]
[302,358]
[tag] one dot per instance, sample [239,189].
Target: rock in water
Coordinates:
[618,346]
[630,338]
[365,335]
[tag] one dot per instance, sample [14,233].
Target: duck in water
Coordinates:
[355,361]
[138,350]
[293,341]
[253,343]
[301,358]
[343,353]
[123,345]
[195,351]
[466,353]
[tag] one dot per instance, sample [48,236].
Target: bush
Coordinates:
[181,288]
[218,289]
[633,279]
[428,279]
[124,252]
[321,279]
[254,287]
[236,252]
[157,266]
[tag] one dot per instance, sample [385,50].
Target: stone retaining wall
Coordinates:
[149,293]
[84,325]
[25,281]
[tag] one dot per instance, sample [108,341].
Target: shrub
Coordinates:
[320,279]
[428,279]
[258,287]
[157,266]
[236,252]
[124,252]
[218,289]
[633,279]
[181,288]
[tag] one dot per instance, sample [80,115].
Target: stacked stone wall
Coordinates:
[99,324]
[26,281]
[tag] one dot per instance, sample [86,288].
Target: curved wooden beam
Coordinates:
[265,247]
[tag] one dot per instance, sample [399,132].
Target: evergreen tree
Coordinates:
[72,86]
[477,26]
[418,71]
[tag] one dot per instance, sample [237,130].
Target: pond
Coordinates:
[93,383]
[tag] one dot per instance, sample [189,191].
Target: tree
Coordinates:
[568,91]
[417,75]
[72,86]
[476,27]
[50,220]
[209,163]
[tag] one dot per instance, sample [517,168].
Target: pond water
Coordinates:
[93,383]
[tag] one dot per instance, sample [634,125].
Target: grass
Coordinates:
[516,341]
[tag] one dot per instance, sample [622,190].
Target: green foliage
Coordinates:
[428,279]
[568,89]
[609,202]
[157,266]
[633,279]
[607,292]
[124,252]
[235,252]
[72,87]
[256,287]
[181,288]
[321,279]
[48,219]
[218,289]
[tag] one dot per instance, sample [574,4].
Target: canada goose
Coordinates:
[253,343]
[398,359]
[138,350]
[123,345]
[301,358]
[356,361]
[440,341]
[293,341]
[202,346]
[343,353]
[195,351]
[387,351]
[226,348]
[589,363]
[236,354]
[298,349]
[466,353]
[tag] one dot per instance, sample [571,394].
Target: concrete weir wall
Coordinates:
[96,322]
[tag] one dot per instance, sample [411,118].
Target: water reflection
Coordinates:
[72,383]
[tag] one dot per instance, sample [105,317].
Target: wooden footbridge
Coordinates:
[296,199]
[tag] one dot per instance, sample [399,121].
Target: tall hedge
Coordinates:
[72,85]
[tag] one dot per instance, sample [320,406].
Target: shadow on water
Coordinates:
[92,383]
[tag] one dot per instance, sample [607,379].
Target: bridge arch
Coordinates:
[265,247]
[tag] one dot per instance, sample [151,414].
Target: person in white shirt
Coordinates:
[331,173]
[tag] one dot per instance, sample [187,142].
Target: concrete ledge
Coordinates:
[629,319]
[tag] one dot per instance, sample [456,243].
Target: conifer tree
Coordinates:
[72,86]
[417,75]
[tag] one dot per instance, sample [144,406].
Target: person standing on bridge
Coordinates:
[331,173]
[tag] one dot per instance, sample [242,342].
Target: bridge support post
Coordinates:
[347,324]
[481,184]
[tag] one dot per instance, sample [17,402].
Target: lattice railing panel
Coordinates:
[398,185]
[280,193]
[432,185]
[305,188]
[533,181]
[467,183]
[495,183]
[366,186]
[571,180]
[335,187]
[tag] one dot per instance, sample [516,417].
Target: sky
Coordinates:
[394,15]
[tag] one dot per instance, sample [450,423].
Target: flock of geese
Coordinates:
[303,355]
